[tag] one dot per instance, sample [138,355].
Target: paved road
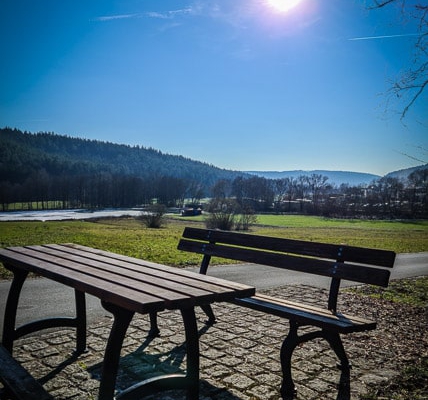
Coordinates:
[45,298]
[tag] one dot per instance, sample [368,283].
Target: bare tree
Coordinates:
[317,184]
[412,84]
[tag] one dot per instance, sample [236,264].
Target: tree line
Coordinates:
[387,197]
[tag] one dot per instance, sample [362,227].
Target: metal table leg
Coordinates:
[122,319]
[188,382]
[10,332]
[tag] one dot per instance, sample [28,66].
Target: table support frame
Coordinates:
[11,332]
[188,382]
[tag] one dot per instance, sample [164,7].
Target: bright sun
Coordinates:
[283,5]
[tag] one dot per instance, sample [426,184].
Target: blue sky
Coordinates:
[235,83]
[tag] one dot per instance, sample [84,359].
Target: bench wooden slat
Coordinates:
[307,316]
[382,258]
[18,381]
[353,272]
[311,308]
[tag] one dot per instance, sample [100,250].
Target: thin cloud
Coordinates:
[384,36]
[170,14]
[114,17]
[154,14]
[150,14]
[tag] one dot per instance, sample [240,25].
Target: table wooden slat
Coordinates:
[176,271]
[165,288]
[172,298]
[108,291]
[135,284]
[139,271]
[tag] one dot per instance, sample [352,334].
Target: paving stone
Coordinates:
[239,354]
[239,381]
[264,392]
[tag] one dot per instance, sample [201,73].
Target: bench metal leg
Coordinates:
[292,340]
[336,344]
[192,349]
[209,313]
[288,389]
[80,321]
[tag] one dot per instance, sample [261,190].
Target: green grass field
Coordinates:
[128,236]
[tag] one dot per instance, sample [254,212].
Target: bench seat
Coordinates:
[307,314]
[17,381]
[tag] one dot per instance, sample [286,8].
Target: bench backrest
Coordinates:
[357,264]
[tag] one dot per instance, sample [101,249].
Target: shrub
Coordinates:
[246,219]
[153,216]
[222,214]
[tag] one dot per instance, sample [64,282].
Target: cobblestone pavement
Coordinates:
[239,354]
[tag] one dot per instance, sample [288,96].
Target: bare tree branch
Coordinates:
[413,83]
[380,4]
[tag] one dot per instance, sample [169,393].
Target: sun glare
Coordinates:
[283,5]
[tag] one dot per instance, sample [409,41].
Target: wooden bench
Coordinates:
[338,262]
[17,381]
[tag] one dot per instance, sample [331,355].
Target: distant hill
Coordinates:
[404,173]
[334,177]
[22,154]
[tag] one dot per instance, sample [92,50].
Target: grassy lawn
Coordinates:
[399,236]
[128,236]
[413,292]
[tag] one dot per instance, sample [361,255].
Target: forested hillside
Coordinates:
[76,172]
[23,153]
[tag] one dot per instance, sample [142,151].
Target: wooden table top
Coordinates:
[137,285]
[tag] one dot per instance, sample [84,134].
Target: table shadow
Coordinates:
[344,389]
[141,365]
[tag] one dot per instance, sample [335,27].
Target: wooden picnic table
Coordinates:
[125,286]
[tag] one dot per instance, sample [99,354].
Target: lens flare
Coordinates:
[283,5]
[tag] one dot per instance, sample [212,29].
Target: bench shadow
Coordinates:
[343,392]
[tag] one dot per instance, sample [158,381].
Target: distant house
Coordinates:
[191,211]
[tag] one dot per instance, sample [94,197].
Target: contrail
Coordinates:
[384,36]
[114,17]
